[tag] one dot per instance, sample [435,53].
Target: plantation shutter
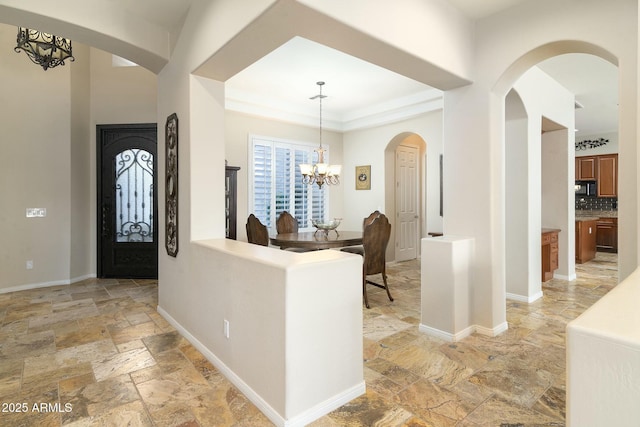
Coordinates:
[262,182]
[277,183]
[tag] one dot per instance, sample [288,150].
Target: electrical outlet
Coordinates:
[225,328]
[29,264]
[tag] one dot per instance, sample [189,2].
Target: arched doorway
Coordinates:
[406,199]
[539,158]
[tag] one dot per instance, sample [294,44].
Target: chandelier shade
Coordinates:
[320,173]
[44,49]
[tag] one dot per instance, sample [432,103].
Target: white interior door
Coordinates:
[407,211]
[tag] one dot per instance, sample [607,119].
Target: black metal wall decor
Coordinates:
[588,144]
[171,190]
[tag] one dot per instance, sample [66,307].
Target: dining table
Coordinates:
[315,240]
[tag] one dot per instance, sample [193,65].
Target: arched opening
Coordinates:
[539,167]
[147,47]
[406,200]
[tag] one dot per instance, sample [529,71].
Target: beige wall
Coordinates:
[34,168]
[48,158]
[367,147]
[81,253]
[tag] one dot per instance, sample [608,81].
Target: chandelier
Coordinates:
[321,173]
[44,49]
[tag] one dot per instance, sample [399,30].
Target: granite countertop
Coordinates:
[586,214]
[546,230]
[587,218]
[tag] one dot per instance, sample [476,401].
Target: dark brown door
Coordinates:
[127,200]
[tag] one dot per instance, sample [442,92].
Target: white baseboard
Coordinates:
[458,336]
[568,278]
[324,408]
[300,420]
[492,332]
[30,286]
[524,298]
[447,336]
[81,278]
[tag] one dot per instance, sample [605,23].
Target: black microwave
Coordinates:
[585,188]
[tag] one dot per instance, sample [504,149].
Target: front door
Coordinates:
[407,235]
[127,200]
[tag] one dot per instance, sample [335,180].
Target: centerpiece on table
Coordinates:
[324,226]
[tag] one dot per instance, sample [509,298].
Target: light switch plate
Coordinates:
[36,212]
[225,327]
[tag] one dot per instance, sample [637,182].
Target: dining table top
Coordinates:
[317,239]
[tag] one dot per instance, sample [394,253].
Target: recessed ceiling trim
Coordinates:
[284,115]
[394,104]
[392,114]
[376,115]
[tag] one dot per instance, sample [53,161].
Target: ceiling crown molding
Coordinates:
[390,111]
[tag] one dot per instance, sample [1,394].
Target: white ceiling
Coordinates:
[168,14]
[594,82]
[281,83]
[358,93]
[476,9]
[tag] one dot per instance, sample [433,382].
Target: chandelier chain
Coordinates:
[320,173]
[320,84]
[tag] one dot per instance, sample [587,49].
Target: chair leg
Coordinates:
[364,292]
[386,287]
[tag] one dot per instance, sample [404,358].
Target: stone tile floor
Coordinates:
[97,353]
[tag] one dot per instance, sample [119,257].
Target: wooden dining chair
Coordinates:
[257,232]
[368,220]
[286,223]
[359,249]
[375,239]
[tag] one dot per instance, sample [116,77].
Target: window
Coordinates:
[134,196]
[277,182]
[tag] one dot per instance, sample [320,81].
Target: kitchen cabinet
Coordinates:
[607,235]
[607,175]
[586,168]
[603,169]
[586,232]
[549,252]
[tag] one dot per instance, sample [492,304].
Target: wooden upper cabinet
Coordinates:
[586,168]
[608,175]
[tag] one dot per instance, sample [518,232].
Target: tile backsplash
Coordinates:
[596,203]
